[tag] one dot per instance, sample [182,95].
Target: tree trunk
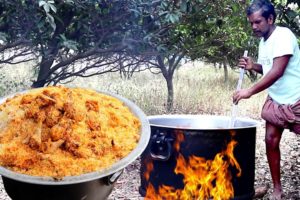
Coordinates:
[44,70]
[170,87]
[51,53]
[168,75]
[225,72]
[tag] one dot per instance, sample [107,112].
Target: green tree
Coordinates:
[288,12]
[201,29]
[69,38]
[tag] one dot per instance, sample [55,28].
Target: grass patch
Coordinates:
[199,88]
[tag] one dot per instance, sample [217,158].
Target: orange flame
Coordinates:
[149,168]
[203,179]
[179,139]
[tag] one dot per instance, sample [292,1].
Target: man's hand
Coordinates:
[246,63]
[241,94]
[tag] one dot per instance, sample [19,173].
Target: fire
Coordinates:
[149,168]
[203,178]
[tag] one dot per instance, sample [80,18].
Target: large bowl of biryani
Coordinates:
[67,143]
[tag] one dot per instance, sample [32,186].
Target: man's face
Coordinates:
[261,26]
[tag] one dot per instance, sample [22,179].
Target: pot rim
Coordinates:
[154,118]
[117,166]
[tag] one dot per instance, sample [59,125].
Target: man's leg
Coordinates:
[273,137]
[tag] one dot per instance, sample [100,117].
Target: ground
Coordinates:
[127,185]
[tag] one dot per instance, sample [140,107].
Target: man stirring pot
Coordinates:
[279,62]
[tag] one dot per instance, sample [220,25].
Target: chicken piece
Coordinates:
[36,139]
[72,144]
[31,110]
[73,112]
[40,116]
[93,121]
[60,130]
[92,105]
[44,100]
[27,99]
[53,116]
[55,145]
[50,147]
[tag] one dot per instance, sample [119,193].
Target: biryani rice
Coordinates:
[58,131]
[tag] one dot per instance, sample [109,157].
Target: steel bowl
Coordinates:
[90,186]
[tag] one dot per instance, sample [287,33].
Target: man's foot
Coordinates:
[276,195]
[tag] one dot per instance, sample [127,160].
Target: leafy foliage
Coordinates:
[72,38]
[289,14]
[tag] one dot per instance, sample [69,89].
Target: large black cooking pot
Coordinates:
[91,186]
[204,136]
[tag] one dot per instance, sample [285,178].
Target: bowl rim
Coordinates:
[110,171]
[252,123]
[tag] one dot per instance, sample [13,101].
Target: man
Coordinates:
[279,62]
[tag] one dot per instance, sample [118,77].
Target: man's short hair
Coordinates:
[265,6]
